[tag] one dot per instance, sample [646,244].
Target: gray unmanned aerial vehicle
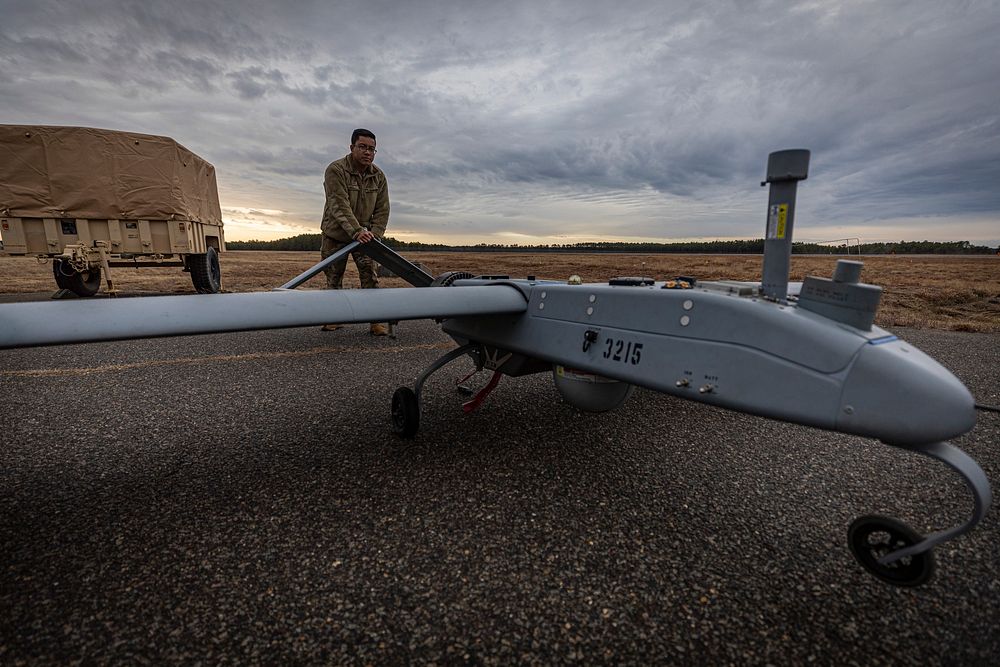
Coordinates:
[806,353]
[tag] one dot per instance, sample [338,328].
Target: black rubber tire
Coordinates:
[87,283]
[62,280]
[871,537]
[206,275]
[405,413]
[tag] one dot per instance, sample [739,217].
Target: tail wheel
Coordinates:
[405,412]
[82,283]
[206,275]
[872,537]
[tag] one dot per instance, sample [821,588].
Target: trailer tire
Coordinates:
[206,275]
[87,283]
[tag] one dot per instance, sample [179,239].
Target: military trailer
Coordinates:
[90,199]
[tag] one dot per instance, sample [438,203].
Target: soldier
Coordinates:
[357,209]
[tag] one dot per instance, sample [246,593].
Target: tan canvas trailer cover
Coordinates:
[92,198]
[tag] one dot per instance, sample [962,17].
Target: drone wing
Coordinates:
[54,323]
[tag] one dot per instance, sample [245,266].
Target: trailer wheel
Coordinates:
[86,283]
[205,272]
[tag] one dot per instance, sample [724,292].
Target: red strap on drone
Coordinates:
[478,399]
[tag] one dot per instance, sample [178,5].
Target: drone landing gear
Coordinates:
[405,412]
[873,537]
[406,401]
[895,553]
[477,400]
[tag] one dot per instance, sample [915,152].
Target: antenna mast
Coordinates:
[784,171]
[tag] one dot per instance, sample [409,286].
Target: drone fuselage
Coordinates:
[723,344]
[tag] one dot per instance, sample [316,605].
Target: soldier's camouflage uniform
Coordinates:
[354,200]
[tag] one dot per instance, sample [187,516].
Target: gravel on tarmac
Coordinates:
[240,499]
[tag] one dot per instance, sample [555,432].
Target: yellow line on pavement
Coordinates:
[252,356]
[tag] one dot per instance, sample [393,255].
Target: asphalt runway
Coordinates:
[240,499]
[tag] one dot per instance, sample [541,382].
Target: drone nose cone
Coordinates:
[898,394]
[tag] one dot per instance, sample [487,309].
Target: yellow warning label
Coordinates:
[776,219]
[782,217]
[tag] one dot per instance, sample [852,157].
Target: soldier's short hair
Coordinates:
[361,132]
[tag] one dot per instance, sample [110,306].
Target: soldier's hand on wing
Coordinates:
[364,236]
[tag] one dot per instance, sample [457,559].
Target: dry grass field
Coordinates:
[958,293]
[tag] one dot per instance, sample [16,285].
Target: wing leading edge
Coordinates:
[56,323]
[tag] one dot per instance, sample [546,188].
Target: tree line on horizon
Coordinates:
[311,242]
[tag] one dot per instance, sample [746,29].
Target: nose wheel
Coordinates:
[894,552]
[871,538]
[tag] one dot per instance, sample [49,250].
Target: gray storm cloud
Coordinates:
[546,120]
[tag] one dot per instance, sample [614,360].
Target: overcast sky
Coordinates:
[545,121]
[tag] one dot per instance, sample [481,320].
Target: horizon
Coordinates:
[618,241]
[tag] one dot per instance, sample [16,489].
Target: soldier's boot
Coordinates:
[331,327]
[378,329]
